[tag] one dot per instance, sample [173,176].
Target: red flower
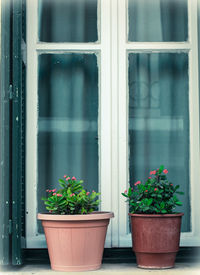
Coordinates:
[165,171]
[125,191]
[73,178]
[153,172]
[87,193]
[65,176]
[146,190]
[137,182]
[155,189]
[54,194]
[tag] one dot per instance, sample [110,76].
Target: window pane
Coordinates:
[159,120]
[67,120]
[68,20]
[157,20]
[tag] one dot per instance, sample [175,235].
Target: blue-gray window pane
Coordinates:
[67,120]
[68,20]
[159,120]
[157,20]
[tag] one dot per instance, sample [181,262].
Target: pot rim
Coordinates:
[157,215]
[96,215]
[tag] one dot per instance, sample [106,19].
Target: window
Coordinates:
[112,92]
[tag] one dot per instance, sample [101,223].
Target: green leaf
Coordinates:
[180,193]
[162,205]
[178,203]
[163,211]
[161,169]
[62,181]
[177,187]
[149,201]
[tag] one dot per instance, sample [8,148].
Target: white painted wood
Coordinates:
[31,122]
[194,122]
[105,113]
[42,46]
[122,122]
[114,126]
[159,46]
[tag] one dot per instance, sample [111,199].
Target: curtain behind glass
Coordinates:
[159,120]
[67,20]
[67,120]
[157,20]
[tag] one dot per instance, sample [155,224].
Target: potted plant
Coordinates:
[74,232]
[154,224]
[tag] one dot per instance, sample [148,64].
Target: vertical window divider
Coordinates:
[194,126]
[31,125]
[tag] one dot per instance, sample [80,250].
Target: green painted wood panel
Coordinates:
[5,152]
[17,134]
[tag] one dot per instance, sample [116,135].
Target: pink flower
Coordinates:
[93,191]
[155,189]
[137,182]
[47,190]
[54,190]
[165,171]
[153,172]
[73,194]
[87,193]
[68,178]
[171,184]
[149,177]
[65,176]
[73,178]
[54,194]
[59,195]
[125,191]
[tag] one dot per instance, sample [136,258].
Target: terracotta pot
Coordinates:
[75,242]
[156,239]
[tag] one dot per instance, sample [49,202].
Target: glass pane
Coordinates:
[157,20]
[68,20]
[159,120]
[67,120]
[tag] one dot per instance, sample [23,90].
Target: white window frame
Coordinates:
[113,116]
[102,48]
[191,47]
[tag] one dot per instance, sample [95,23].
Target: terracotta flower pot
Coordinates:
[156,239]
[75,242]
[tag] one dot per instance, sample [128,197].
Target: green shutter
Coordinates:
[5,151]
[12,172]
[18,135]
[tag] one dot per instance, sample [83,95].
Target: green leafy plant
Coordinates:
[71,199]
[156,196]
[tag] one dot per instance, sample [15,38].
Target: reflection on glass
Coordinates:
[159,120]
[157,20]
[68,20]
[67,120]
